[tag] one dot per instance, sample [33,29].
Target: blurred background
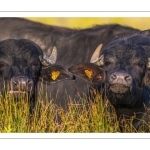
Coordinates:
[142,23]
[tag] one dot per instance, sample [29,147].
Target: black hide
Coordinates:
[73,45]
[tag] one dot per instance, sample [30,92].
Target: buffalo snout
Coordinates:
[22,83]
[120,81]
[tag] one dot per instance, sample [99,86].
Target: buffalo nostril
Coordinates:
[114,76]
[30,85]
[127,78]
[15,82]
[30,82]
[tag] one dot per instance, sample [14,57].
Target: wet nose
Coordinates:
[22,83]
[120,77]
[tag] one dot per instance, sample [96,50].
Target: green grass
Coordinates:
[82,117]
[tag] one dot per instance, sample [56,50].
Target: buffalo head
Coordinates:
[22,65]
[123,69]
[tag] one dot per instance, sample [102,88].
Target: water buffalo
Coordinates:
[73,45]
[123,68]
[22,65]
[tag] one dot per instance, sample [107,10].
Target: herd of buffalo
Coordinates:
[111,57]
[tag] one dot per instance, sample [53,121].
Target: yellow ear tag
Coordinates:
[88,73]
[55,75]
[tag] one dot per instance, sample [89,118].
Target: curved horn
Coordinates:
[95,56]
[45,60]
[48,60]
[96,59]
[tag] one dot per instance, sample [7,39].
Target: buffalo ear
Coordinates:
[147,78]
[88,71]
[147,74]
[54,73]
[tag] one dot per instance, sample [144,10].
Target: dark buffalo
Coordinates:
[123,68]
[22,65]
[73,45]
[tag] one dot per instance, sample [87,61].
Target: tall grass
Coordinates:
[82,117]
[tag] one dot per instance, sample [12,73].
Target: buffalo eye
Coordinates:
[141,64]
[2,65]
[107,62]
[35,65]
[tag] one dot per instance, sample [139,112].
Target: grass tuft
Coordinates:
[85,116]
